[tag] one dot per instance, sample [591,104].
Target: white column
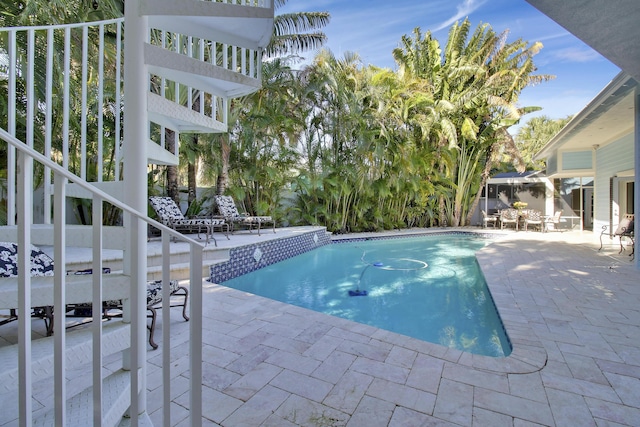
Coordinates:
[136,128]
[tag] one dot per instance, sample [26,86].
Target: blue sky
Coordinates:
[373,28]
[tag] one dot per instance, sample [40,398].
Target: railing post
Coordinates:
[59,302]
[11,127]
[24,211]
[195,341]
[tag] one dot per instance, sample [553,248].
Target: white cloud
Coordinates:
[463,10]
[585,54]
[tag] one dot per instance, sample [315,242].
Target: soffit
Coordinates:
[610,28]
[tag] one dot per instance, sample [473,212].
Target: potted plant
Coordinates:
[520,205]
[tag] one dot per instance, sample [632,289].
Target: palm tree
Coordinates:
[295,33]
[290,37]
[477,78]
[52,12]
[534,134]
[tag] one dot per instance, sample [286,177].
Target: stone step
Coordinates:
[115,336]
[115,286]
[116,397]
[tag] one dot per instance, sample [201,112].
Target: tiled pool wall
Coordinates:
[248,258]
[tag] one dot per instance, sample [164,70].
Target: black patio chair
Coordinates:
[624,230]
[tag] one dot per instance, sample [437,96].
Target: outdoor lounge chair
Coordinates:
[509,216]
[171,216]
[154,303]
[488,219]
[532,217]
[552,222]
[41,265]
[624,229]
[227,208]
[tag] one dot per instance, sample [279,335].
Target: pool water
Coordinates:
[430,288]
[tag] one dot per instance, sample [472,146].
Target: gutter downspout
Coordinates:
[636,186]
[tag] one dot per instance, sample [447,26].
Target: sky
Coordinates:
[373,28]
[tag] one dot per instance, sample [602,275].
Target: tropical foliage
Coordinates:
[534,135]
[378,149]
[356,147]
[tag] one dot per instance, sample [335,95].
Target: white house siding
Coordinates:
[611,160]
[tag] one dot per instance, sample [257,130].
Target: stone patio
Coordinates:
[571,312]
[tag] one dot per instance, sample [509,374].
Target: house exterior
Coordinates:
[596,151]
[603,140]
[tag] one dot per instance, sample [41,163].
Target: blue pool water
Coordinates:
[429,288]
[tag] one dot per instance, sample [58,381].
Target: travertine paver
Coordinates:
[571,313]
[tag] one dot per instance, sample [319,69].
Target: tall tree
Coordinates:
[479,77]
[534,134]
[293,33]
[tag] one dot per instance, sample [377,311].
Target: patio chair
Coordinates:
[624,230]
[41,265]
[552,222]
[171,216]
[533,217]
[154,303]
[509,216]
[488,219]
[227,208]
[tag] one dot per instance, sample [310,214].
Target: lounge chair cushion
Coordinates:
[228,209]
[171,215]
[625,228]
[41,263]
[154,290]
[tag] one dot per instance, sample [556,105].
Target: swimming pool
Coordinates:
[428,287]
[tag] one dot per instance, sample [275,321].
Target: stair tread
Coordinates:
[166,112]
[78,289]
[116,337]
[197,73]
[116,396]
[240,25]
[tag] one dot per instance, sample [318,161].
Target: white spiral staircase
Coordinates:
[194,56]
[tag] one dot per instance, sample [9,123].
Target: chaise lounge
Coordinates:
[171,216]
[227,208]
[42,265]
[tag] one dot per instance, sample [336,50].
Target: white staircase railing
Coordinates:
[74,100]
[133,361]
[63,89]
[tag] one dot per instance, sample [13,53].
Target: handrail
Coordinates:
[91,188]
[57,26]
[136,362]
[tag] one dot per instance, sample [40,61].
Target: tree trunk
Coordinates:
[172,171]
[192,172]
[483,181]
[223,177]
